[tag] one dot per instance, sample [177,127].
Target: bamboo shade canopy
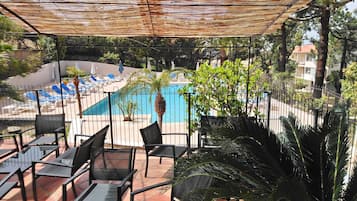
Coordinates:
[151,18]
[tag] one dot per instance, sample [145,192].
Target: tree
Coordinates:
[74,72]
[323,9]
[220,88]
[10,65]
[343,28]
[301,163]
[349,86]
[154,82]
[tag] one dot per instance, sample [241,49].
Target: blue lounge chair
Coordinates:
[32,97]
[80,87]
[111,77]
[96,81]
[56,89]
[68,90]
[86,84]
[49,96]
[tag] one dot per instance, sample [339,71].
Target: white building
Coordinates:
[306,58]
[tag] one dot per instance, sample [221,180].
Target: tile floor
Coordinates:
[50,189]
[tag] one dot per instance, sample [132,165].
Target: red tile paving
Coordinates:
[50,189]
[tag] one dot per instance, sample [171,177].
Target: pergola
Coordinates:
[151,18]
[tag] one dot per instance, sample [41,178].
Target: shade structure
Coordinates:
[151,18]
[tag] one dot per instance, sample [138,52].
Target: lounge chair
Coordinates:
[68,90]
[97,81]
[68,163]
[56,89]
[111,77]
[48,96]
[32,97]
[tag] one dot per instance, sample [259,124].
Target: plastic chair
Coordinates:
[152,138]
[110,176]
[68,163]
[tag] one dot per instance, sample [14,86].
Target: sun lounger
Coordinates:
[68,90]
[56,89]
[111,77]
[97,81]
[32,97]
[49,96]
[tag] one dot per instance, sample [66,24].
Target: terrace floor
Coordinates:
[50,189]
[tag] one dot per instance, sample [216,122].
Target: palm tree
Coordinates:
[301,163]
[75,72]
[154,82]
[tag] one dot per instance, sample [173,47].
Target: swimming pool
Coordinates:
[176,106]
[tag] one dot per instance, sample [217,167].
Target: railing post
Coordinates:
[189,122]
[268,109]
[38,102]
[110,119]
[315,112]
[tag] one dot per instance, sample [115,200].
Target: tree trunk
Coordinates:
[322,52]
[342,65]
[283,50]
[76,84]
[160,107]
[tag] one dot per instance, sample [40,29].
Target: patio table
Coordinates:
[24,158]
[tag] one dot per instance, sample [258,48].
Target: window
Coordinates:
[307,70]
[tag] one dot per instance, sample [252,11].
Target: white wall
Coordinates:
[48,73]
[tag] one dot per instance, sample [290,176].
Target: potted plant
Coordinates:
[128,109]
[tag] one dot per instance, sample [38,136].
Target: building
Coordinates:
[306,58]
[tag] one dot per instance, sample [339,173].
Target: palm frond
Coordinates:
[291,140]
[337,148]
[350,194]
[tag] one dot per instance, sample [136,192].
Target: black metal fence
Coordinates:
[101,106]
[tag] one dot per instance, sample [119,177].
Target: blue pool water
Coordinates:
[176,106]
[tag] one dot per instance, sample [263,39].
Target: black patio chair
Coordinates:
[8,151]
[49,129]
[68,163]
[6,185]
[110,176]
[190,189]
[152,138]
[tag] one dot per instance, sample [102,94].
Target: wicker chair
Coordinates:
[110,176]
[152,138]
[48,130]
[6,185]
[67,164]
